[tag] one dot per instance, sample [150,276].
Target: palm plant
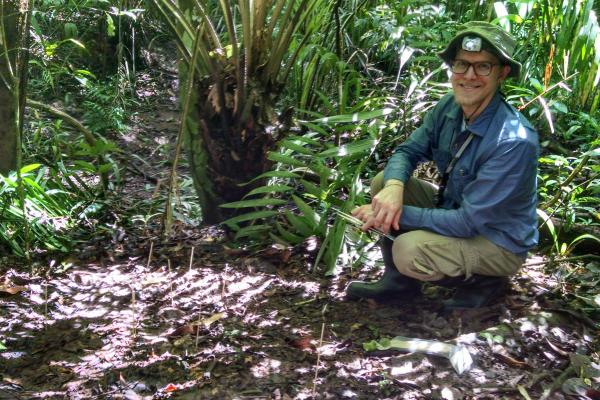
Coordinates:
[245,51]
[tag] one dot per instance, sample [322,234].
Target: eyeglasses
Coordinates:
[480,68]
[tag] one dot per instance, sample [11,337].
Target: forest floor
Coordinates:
[133,317]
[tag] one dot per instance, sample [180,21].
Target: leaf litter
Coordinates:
[191,318]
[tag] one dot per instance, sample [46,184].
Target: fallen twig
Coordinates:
[314,388]
[192,257]
[150,254]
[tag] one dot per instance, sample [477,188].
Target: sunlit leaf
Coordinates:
[353,148]
[356,117]
[270,189]
[593,153]
[253,203]
[29,168]
[273,174]
[251,216]
[285,159]
[523,392]
[288,144]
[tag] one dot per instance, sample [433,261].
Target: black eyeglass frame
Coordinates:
[475,65]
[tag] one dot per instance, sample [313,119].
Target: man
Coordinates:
[483,222]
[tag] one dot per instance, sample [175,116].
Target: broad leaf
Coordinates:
[270,189]
[350,149]
[251,216]
[253,203]
[356,117]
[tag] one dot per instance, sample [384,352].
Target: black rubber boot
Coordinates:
[392,286]
[477,291]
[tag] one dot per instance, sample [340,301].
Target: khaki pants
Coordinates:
[428,256]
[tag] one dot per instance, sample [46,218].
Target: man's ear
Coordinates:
[505,72]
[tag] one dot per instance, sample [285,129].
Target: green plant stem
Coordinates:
[567,181]
[521,108]
[19,80]
[72,121]
[168,215]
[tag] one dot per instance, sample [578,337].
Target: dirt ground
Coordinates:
[134,317]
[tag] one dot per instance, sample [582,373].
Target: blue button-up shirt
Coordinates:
[492,189]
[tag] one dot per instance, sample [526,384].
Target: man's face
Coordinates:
[472,91]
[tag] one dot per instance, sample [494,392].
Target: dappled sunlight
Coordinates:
[266,367]
[194,327]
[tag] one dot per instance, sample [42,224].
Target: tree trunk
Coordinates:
[224,154]
[8,101]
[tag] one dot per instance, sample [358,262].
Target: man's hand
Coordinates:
[384,211]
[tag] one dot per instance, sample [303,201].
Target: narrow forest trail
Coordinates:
[135,317]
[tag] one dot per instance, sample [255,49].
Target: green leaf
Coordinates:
[310,215]
[312,189]
[29,168]
[356,117]
[85,166]
[298,148]
[350,149]
[270,189]
[250,216]
[299,224]
[252,230]
[548,222]
[578,239]
[110,26]
[284,159]
[273,174]
[253,203]
[70,30]
[287,235]
[523,392]
[76,43]
[593,153]
[2,346]
[335,241]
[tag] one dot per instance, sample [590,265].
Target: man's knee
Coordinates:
[410,260]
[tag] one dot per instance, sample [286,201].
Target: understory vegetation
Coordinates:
[323,93]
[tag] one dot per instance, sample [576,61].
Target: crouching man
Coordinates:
[475,229]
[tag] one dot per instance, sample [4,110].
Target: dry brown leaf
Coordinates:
[12,289]
[183,330]
[503,355]
[194,329]
[303,343]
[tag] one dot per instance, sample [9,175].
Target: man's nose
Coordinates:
[470,72]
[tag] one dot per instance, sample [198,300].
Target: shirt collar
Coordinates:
[482,122]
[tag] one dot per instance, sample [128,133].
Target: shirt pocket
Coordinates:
[461,177]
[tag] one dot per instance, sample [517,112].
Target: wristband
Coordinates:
[393,183]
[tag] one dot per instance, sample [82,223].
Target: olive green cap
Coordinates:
[495,39]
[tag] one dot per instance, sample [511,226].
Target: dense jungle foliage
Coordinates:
[289,108]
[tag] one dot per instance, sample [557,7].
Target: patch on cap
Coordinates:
[471,43]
